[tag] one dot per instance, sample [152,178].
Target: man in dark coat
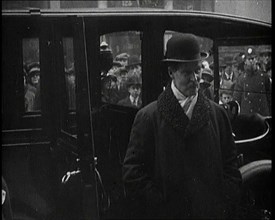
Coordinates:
[253,88]
[181,161]
[133,84]
[32,90]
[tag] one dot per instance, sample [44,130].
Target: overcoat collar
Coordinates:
[174,115]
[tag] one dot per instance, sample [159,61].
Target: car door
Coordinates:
[74,127]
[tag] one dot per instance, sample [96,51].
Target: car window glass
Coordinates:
[69,122]
[31,71]
[246,76]
[121,69]
[69,72]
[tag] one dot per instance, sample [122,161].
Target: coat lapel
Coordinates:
[174,115]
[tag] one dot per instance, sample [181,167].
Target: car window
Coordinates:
[121,69]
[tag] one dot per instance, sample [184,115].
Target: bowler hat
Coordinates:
[184,48]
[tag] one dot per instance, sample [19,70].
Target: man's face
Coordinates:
[229,69]
[123,62]
[186,77]
[123,77]
[136,69]
[250,64]
[134,90]
[35,79]
[226,98]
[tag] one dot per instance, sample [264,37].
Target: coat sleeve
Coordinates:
[139,160]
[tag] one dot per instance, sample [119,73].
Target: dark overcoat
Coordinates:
[253,92]
[180,168]
[127,102]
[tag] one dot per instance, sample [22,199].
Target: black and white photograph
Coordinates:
[137,109]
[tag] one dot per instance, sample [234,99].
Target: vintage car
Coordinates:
[64,127]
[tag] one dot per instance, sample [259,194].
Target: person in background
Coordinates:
[105,58]
[240,59]
[121,75]
[253,89]
[134,89]
[181,161]
[264,59]
[228,78]
[134,65]
[122,59]
[70,85]
[109,91]
[32,89]
[206,83]
[115,68]
[225,96]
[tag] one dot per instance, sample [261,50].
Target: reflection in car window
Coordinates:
[246,76]
[69,72]
[121,72]
[31,71]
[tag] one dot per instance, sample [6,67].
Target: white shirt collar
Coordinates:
[132,99]
[177,93]
[182,99]
[229,75]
